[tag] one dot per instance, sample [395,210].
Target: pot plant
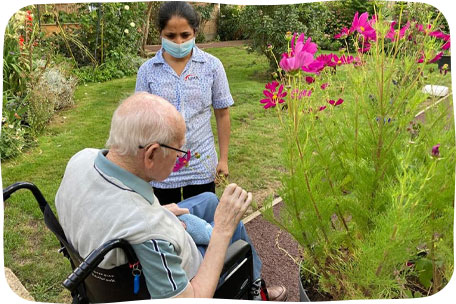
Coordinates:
[368,191]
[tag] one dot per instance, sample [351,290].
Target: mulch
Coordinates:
[278,267]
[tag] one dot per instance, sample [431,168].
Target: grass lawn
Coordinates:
[31,250]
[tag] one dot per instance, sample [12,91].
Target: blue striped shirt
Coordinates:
[202,84]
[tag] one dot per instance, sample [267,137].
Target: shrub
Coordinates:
[12,138]
[267,24]
[229,25]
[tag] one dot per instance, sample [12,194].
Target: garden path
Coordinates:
[275,248]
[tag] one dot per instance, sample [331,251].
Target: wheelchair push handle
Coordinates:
[25,185]
[94,259]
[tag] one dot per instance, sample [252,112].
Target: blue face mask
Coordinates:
[178,50]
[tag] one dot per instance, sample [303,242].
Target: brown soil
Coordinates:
[278,266]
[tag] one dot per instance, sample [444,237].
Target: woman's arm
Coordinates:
[222,117]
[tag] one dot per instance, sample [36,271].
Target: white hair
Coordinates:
[142,119]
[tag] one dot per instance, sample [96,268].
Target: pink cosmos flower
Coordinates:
[310,79]
[322,108]
[435,150]
[273,96]
[363,26]
[182,161]
[423,28]
[343,34]
[392,33]
[324,86]
[436,58]
[314,67]
[301,54]
[326,59]
[335,103]
[365,48]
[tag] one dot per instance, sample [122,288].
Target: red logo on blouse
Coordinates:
[191,77]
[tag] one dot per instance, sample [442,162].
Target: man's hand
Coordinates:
[232,206]
[175,209]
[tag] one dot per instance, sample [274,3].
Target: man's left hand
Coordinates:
[175,209]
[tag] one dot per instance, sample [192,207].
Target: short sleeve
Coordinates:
[221,96]
[165,278]
[141,79]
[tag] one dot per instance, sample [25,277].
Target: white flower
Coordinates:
[132,24]
[126,7]
[126,31]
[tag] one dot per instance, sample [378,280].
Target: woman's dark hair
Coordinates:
[177,9]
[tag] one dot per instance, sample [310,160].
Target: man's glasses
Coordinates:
[165,146]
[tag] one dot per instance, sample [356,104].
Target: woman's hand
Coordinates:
[222,172]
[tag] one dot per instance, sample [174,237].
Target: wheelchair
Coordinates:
[91,284]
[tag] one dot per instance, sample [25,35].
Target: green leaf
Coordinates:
[424,268]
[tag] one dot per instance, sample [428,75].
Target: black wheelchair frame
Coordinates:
[91,284]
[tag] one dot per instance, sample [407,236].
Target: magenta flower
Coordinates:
[365,48]
[314,67]
[363,26]
[422,28]
[435,150]
[182,162]
[324,86]
[335,103]
[301,54]
[392,33]
[322,108]
[343,34]
[326,59]
[273,96]
[446,46]
[310,79]
[436,58]
[305,93]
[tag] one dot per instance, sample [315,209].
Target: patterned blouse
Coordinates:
[202,84]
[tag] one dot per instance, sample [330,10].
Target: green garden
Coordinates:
[362,157]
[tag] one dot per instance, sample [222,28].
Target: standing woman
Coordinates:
[193,81]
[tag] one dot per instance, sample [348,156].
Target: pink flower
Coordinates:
[324,86]
[273,96]
[343,34]
[363,26]
[182,162]
[422,28]
[305,93]
[392,33]
[301,54]
[365,48]
[435,150]
[314,67]
[326,59]
[309,79]
[446,46]
[322,108]
[436,58]
[335,103]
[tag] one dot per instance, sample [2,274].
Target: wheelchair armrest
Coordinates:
[235,253]
[94,259]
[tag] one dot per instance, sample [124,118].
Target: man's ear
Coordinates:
[150,155]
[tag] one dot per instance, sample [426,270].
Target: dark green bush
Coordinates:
[267,24]
[229,23]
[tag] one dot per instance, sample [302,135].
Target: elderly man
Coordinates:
[105,194]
